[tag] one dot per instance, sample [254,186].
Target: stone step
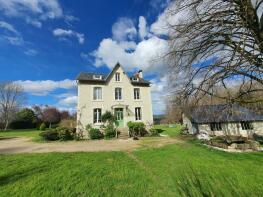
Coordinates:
[123,135]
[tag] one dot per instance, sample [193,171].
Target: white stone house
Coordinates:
[223,120]
[128,98]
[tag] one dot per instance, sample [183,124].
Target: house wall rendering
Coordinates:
[128,101]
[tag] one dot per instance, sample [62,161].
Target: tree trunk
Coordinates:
[50,125]
[6,125]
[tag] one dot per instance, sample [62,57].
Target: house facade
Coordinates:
[223,120]
[128,98]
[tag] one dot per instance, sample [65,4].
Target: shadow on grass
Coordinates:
[7,138]
[194,183]
[18,175]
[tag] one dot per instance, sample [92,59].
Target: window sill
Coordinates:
[97,100]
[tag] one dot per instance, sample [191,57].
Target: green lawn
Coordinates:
[171,131]
[183,169]
[33,133]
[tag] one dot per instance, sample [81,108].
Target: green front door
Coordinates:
[119,117]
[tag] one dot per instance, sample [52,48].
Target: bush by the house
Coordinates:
[95,134]
[155,131]
[59,133]
[42,127]
[50,135]
[108,117]
[66,133]
[110,131]
[137,128]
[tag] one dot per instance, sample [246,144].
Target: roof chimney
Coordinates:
[140,74]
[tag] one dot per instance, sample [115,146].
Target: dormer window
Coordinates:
[117,77]
[135,79]
[97,77]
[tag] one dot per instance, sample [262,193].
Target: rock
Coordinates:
[203,136]
[254,145]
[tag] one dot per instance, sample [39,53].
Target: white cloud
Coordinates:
[15,40]
[145,55]
[11,35]
[34,12]
[69,101]
[69,33]
[44,9]
[31,52]
[8,27]
[142,27]
[43,88]
[33,22]
[124,29]
[167,18]
[159,94]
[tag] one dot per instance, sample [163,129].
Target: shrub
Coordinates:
[108,117]
[51,135]
[59,133]
[137,128]
[110,131]
[42,127]
[65,133]
[155,132]
[95,134]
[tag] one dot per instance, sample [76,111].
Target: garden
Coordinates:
[186,168]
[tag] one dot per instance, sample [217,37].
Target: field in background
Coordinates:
[33,133]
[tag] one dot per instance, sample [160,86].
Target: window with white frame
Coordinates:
[97,93]
[97,77]
[136,93]
[117,77]
[138,113]
[97,115]
[118,94]
[246,125]
[216,126]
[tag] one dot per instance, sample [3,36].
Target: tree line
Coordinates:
[13,115]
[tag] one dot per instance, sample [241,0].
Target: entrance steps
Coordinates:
[124,133]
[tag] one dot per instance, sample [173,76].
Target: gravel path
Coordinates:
[25,145]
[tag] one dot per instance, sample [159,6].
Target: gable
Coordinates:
[87,78]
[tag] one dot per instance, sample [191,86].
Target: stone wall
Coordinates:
[233,129]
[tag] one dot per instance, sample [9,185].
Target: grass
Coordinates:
[33,133]
[170,131]
[183,169]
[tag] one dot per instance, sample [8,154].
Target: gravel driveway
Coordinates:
[25,145]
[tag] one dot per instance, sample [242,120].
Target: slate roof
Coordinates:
[222,113]
[89,77]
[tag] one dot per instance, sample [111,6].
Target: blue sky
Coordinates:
[44,44]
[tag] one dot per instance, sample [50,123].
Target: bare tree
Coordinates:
[11,98]
[216,44]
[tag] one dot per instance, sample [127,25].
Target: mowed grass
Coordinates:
[32,133]
[183,169]
[170,131]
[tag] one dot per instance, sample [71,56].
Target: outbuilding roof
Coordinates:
[222,113]
[89,77]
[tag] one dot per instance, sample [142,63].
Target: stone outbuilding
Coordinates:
[223,119]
